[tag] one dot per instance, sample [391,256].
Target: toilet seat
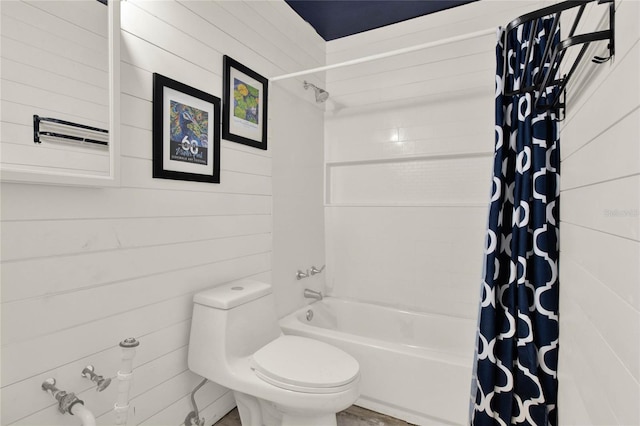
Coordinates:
[304,365]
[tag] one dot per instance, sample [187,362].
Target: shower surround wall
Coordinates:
[408,156]
[599,368]
[409,149]
[83,268]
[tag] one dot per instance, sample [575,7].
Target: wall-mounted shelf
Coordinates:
[50,151]
[408,181]
[544,81]
[409,205]
[407,158]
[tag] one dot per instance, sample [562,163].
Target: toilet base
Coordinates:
[257,412]
[326,420]
[249,409]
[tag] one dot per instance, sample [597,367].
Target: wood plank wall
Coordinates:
[84,268]
[600,233]
[54,64]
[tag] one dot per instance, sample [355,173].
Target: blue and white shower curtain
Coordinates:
[515,380]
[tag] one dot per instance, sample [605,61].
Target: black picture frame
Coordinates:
[184,119]
[245,108]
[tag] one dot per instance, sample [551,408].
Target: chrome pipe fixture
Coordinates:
[300,275]
[125,374]
[321,94]
[312,294]
[101,383]
[193,418]
[66,400]
[315,270]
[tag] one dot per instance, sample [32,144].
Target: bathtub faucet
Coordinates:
[311,294]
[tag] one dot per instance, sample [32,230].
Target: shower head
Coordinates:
[321,94]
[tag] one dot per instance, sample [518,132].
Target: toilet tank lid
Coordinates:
[232,294]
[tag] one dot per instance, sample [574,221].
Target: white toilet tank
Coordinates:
[230,321]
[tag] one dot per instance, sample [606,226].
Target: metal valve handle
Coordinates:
[89,373]
[66,400]
[315,270]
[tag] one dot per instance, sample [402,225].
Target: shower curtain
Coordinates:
[515,380]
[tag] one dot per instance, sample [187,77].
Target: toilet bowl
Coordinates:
[276,379]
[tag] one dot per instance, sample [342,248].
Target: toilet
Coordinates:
[276,379]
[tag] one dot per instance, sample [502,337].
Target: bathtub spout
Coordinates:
[311,294]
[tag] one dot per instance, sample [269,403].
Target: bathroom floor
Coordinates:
[352,416]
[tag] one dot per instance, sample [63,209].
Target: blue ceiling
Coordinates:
[334,19]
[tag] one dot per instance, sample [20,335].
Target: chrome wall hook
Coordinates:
[89,373]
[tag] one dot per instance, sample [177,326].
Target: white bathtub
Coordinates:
[414,366]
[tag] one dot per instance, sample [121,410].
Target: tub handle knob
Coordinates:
[300,275]
[315,270]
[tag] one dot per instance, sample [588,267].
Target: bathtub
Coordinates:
[414,366]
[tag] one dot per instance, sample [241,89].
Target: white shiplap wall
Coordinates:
[54,64]
[84,268]
[409,144]
[600,235]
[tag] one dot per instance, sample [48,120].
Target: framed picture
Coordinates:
[244,114]
[186,132]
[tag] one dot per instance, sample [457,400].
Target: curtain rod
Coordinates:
[388,54]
